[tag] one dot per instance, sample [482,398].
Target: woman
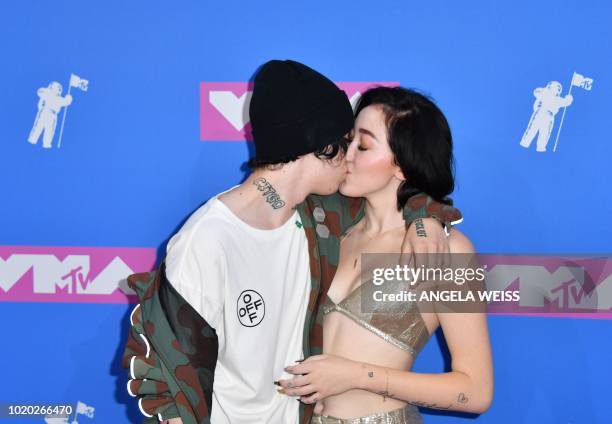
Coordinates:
[401,143]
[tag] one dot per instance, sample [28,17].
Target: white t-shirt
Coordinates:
[252,286]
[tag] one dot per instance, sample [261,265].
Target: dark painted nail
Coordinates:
[277,383]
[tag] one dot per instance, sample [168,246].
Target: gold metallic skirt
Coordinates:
[408,414]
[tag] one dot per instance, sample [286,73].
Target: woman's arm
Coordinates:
[467,387]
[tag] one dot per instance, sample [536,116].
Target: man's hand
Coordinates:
[426,238]
[320,376]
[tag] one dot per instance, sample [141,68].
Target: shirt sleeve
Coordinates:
[196,268]
[420,205]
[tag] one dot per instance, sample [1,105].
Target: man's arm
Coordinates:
[172,346]
[428,223]
[146,379]
[350,210]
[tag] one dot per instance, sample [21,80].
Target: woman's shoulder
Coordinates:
[459,242]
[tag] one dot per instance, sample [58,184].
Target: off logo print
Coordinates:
[251,308]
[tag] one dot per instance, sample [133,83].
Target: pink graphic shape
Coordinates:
[222,104]
[597,270]
[137,259]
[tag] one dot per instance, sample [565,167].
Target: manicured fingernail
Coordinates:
[277,383]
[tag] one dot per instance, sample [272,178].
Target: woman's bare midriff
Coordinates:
[344,337]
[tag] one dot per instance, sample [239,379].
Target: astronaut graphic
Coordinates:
[49,105]
[546,105]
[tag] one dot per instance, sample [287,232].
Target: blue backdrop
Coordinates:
[132,167]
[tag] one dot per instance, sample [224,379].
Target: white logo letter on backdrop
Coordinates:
[234,109]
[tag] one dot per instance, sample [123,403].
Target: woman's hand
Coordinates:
[320,376]
[172,421]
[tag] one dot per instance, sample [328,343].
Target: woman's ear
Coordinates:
[399,174]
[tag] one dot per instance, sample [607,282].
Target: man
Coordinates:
[236,298]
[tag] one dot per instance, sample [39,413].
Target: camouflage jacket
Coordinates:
[171,351]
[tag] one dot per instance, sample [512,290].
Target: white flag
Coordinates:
[581,81]
[78,82]
[84,409]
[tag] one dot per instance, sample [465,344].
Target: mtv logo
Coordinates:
[70,274]
[224,107]
[553,283]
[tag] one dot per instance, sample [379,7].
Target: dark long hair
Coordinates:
[420,139]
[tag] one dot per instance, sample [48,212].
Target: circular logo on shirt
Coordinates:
[251,308]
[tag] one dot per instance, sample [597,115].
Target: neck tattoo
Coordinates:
[269,192]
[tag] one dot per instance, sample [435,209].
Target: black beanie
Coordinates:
[295,110]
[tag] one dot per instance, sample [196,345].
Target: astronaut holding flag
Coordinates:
[548,101]
[49,106]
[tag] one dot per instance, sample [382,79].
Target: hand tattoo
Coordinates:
[420,228]
[267,190]
[462,398]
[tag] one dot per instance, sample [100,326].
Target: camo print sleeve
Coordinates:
[171,353]
[348,211]
[422,205]
[146,381]
[339,212]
